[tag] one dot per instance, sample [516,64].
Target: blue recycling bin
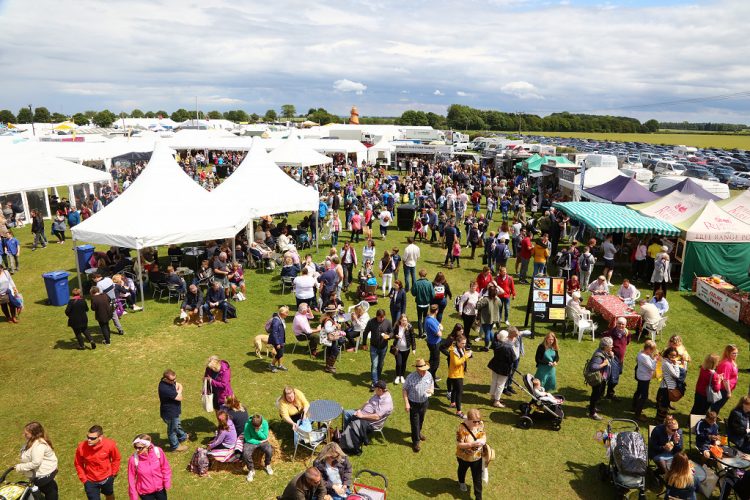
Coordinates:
[56,283]
[83,254]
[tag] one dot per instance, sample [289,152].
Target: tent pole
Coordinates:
[234,249]
[317,233]
[26,211]
[78,267]
[140,279]
[46,203]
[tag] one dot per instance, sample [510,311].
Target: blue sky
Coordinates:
[383,56]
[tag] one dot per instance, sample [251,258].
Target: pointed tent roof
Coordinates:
[716,225]
[674,208]
[738,206]
[621,191]
[689,186]
[162,206]
[23,168]
[608,218]
[535,162]
[259,187]
[292,152]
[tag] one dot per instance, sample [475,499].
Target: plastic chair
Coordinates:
[694,419]
[581,323]
[655,328]
[309,440]
[299,339]
[287,281]
[158,289]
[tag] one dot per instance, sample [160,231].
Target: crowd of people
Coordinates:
[449,198]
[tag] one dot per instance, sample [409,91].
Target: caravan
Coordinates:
[601,161]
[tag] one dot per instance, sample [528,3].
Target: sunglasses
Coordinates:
[92,438]
[476,421]
[139,448]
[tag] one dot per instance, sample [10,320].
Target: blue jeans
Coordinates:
[487,331]
[539,268]
[223,305]
[505,305]
[175,434]
[377,358]
[348,415]
[409,271]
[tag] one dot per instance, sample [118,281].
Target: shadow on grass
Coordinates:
[357,380]
[432,487]
[258,365]
[392,436]
[588,482]
[198,424]
[574,395]
[308,365]
[506,416]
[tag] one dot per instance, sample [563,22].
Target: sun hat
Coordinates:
[421,365]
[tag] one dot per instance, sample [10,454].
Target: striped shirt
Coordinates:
[418,387]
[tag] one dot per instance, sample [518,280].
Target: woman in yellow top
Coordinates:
[470,438]
[457,359]
[293,406]
[541,253]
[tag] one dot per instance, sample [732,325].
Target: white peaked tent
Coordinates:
[161,207]
[382,149]
[258,187]
[718,226]
[672,208]
[738,206]
[24,169]
[295,153]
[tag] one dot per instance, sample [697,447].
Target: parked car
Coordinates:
[740,180]
[700,173]
[667,167]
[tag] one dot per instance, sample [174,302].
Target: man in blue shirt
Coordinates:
[434,331]
[322,212]
[215,297]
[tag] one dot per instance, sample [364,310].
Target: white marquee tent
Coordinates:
[382,149]
[738,206]
[293,152]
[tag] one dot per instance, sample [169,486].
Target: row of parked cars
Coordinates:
[731,167]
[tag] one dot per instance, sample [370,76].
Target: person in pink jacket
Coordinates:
[149,473]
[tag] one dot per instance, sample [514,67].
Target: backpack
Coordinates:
[586,263]
[439,292]
[199,463]
[591,377]
[231,311]
[457,303]
[269,324]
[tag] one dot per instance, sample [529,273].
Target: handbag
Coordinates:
[207,396]
[712,396]
[674,395]
[488,453]
[393,349]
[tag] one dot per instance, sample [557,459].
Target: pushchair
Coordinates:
[21,490]
[365,492]
[368,290]
[538,405]
[628,460]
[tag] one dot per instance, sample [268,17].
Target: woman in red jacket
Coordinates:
[707,375]
[507,290]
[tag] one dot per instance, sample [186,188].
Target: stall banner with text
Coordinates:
[714,298]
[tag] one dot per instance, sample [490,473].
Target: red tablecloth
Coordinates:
[611,307]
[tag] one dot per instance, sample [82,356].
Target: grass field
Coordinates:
[46,379]
[686,139]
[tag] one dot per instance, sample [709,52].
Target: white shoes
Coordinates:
[402,379]
[269,470]
[507,322]
[250,476]
[137,308]
[397,381]
[463,487]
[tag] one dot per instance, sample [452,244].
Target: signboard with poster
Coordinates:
[546,301]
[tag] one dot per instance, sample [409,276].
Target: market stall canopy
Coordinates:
[535,162]
[608,218]
[689,186]
[216,139]
[259,187]
[673,208]
[162,206]
[738,206]
[22,169]
[621,191]
[716,225]
[293,152]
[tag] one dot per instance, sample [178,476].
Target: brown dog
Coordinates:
[261,342]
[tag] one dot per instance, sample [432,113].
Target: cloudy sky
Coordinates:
[629,57]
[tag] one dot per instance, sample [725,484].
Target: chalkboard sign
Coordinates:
[546,302]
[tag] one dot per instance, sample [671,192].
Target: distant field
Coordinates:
[697,140]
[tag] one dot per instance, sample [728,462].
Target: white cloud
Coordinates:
[349,86]
[216,99]
[438,92]
[461,93]
[522,90]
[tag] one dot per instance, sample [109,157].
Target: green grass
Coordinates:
[687,138]
[45,379]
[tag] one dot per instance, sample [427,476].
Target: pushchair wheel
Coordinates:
[525,422]
[556,425]
[524,408]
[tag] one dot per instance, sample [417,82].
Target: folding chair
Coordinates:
[158,289]
[309,440]
[694,419]
[174,291]
[287,281]
[298,339]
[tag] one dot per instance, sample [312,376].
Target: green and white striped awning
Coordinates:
[608,218]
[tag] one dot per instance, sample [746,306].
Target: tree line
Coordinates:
[458,117]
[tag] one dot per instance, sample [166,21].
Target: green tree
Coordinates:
[255,118]
[137,113]
[270,116]
[436,121]
[321,116]
[288,111]
[651,126]
[104,118]
[58,117]
[237,116]
[215,115]
[80,119]
[181,115]
[41,115]
[149,114]
[161,114]
[6,116]
[25,115]
[412,117]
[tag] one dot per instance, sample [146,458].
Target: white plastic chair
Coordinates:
[366,306]
[583,322]
[654,328]
[694,419]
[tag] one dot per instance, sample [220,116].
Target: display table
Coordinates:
[722,296]
[611,307]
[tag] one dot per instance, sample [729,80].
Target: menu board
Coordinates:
[546,300]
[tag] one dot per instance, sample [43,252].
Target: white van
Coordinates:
[683,151]
[719,189]
[669,167]
[601,161]
[642,175]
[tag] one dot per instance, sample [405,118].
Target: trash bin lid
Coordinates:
[56,275]
[84,247]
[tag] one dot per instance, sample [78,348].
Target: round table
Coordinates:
[324,411]
[734,459]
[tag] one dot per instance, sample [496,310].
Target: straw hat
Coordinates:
[422,365]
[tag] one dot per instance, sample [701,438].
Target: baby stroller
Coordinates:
[21,490]
[551,407]
[628,459]
[368,290]
[364,492]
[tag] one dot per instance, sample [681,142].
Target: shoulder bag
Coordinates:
[207,396]
[712,396]
[488,453]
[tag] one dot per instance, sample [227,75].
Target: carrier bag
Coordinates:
[207,396]
[630,454]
